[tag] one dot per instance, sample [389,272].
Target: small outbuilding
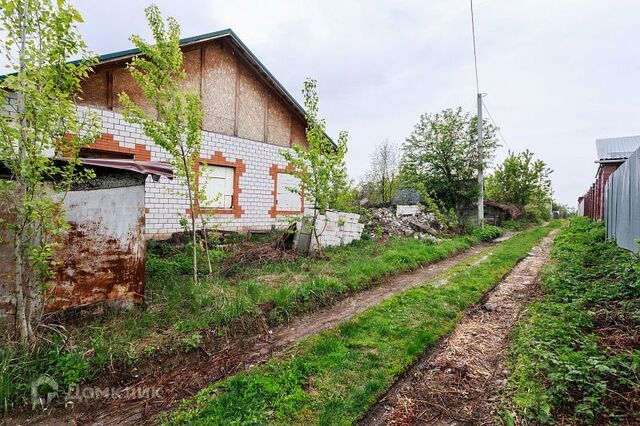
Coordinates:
[101,262]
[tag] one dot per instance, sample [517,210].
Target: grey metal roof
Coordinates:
[617,148]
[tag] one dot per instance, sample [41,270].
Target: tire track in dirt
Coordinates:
[457,383]
[239,355]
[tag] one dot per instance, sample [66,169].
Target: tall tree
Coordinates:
[442,154]
[36,121]
[320,167]
[177,128]
[523,181]
[381,179]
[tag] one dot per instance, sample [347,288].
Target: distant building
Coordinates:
[612,152]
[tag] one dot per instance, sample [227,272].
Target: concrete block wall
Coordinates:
[165,201]
[336,228]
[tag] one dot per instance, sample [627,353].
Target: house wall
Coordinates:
[246,125]
[165,202]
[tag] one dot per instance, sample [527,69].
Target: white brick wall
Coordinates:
[163,200]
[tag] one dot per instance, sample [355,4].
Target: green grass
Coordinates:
[564,370]
[334,377]
[179,313]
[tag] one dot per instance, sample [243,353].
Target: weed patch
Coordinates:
[575,356]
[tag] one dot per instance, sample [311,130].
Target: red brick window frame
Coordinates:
[218,159]
[274,171]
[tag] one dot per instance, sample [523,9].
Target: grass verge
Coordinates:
[178,314]
[334,377]
[575,354]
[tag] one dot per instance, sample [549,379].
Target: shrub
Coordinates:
[487,233]
[513,225]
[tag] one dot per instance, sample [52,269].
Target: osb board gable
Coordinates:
[219,90]
[278,123]
[261,113]
[191,65]
[298,133]
[252,98]
[94,90]
[124,82]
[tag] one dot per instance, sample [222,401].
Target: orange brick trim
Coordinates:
[218,159]
[274,170]
[106,142]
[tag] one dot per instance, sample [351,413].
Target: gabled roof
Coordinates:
[238,45]
[616,148]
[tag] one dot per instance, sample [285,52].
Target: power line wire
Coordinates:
[475,53]
[496,126]
[475,64]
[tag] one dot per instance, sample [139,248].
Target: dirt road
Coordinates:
[457,383]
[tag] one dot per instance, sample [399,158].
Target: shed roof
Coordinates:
[619,148]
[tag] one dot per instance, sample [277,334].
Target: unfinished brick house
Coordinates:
[249,118]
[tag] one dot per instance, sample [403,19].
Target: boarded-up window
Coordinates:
[287,200]
[217,183]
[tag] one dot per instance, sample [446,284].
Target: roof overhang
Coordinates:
[611,161]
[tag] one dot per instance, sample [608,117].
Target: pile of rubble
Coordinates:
[420,224]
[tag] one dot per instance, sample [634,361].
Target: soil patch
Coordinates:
[458,382]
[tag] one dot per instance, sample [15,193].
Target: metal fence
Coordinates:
[622,204]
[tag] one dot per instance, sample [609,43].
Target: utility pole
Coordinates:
[480,164]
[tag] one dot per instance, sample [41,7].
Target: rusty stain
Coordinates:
[95,268]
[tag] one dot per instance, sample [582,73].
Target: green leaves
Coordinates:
[442,154]
[176,120]
[320,166]
[39,120]
[523,181]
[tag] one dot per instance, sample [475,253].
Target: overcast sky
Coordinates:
[557,73]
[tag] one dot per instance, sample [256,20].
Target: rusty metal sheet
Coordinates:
[103,254]
[143,167]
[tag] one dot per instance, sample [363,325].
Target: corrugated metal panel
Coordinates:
[617,148]
[622,203]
